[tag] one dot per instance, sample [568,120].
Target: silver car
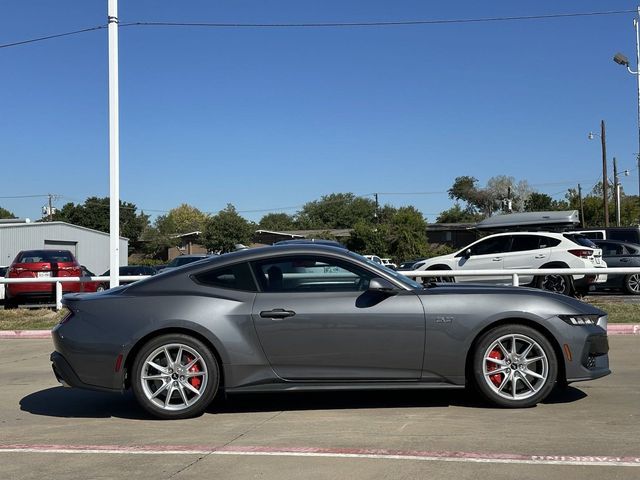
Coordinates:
[316,318]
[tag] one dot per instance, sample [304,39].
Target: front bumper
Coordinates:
[589,359]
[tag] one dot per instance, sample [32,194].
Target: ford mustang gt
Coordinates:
[314,317]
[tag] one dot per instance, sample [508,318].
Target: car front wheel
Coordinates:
[514,366]
[175,376]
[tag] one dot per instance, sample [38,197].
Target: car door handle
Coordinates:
[540,256]
[277,313]
[497,259]
[624,260]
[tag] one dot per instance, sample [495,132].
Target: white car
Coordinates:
[525,250]
[3,271]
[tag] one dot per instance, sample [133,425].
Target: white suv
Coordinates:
[525,250]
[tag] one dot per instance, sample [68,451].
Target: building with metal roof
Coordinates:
[89,246]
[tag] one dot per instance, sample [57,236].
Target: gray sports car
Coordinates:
[312,317]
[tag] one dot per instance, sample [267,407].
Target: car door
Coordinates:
[487,254]
[316,320]
[528,252]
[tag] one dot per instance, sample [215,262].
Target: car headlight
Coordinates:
[580,319]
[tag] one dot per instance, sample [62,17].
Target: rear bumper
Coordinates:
[39,289]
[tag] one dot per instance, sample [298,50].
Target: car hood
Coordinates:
[542,303]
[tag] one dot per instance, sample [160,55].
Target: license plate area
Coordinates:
[44,274]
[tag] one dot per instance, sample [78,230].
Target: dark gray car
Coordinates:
[619,254]
[309,317]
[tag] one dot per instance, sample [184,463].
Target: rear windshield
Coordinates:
[580,240]
[48,256]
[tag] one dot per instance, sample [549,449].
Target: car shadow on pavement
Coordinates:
[76,403]
[266,402]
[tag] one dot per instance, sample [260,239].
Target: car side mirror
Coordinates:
[381,285]
[467,253]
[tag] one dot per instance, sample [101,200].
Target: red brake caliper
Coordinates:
[497,378]
[194,381]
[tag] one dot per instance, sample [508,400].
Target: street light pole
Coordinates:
[114,148]
[624,61]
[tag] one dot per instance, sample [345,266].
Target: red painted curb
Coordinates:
[612,329]
[28,334]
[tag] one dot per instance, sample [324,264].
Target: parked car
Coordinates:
[317,318]
[3,271]
[183,260]
[525,250]
[88,287]
[389,264]
[374,259]
[623,255]
[40,264]
[128,271]
[411,264]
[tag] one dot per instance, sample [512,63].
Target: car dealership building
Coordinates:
[89,246]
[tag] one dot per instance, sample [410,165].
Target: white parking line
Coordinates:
[379,454]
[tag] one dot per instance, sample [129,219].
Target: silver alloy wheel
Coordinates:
[554,283]
[633,283]
[174,376]
[521,372]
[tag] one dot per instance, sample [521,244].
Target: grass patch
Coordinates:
[619,312]
[27,319]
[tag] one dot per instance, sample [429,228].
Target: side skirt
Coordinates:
[342,386]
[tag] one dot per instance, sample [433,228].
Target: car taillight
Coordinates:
[72,271]
[16,270]
[582,253]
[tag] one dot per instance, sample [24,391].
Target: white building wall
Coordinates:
[90,246]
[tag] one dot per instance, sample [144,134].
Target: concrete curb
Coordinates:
[612,329]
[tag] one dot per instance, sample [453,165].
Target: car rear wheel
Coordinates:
[632,284]
[175,376]
[555,283]
[514,366]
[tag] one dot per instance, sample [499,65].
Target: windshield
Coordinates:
[398,276]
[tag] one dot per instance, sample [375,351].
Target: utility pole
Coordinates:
[114,147]
[377,208]
[582,224]
[616,190]
[50,208]
[605,180]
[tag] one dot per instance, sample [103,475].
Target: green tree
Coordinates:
[408,234]
[277,222]
[94,213]
[182,219]
[490,199]
[4,213]
[457,214]
[337,210]
[226,229]
[541,202]
[368,239]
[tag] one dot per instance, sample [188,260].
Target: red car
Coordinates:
[40,264]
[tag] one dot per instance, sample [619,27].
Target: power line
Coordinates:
[25,196]
[401,23]
[375,24]
[50,37]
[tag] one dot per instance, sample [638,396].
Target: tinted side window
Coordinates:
[611,249]
[307,273]
[492,245]
[631,235]
[523,243]
[234,277]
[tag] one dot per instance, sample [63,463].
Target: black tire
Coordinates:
[10,303]
[173,385]
[632,284]
[498,387]
[561,284]
[438,279]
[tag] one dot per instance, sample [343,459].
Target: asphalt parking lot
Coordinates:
[590,430]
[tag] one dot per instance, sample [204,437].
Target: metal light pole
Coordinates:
[623,60]
[114,148]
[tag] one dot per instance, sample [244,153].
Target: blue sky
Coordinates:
[270,118]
